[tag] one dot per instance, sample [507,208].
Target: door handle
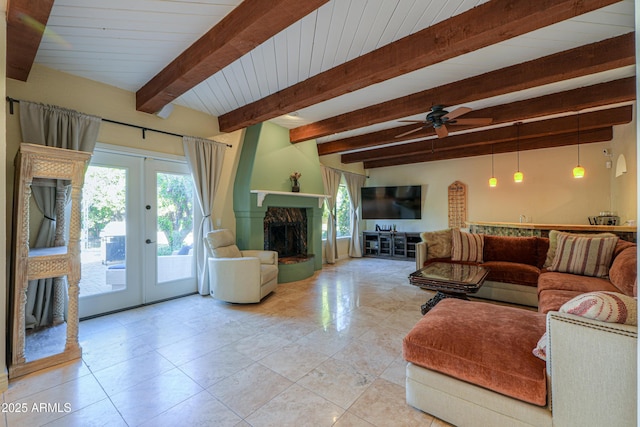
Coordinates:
[148,241]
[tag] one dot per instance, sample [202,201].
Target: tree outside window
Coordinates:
[342,214]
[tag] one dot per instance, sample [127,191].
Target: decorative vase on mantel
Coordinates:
[295,185]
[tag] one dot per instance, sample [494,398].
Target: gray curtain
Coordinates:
[354,183]
[62,128]
[205,161]
[331,181]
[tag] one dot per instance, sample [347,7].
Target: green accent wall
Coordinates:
[266,161]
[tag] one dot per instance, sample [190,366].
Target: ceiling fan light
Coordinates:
[578,172]
[518,177]
[493,181]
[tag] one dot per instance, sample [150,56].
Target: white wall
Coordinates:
[548,195]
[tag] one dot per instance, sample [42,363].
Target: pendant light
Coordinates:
[492,181]
[578,171]
[518,176]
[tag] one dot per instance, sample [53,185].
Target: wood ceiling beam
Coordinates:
[26,22]
[589,59]
[482,26]
[538,129]
[613,92]
[248,25]
[586,137]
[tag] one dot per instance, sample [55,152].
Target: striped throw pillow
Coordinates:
[587,256]
[605,306]
[466,246]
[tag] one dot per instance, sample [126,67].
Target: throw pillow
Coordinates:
[541,348]
[587,256]
[438,243]
[611,307]
[466,246]
[553,243]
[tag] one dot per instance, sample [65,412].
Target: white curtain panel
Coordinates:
[354,183]
[331,181]
[205,159]
[62,128]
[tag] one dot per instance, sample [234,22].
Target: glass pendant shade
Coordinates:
[493,181]
[518,177]
[578,172]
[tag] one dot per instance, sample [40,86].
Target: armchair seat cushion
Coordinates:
[268,272]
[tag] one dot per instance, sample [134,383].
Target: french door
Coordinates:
[137,232]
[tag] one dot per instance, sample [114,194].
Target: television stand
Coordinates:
[390,244]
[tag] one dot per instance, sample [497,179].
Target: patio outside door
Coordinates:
[137,232]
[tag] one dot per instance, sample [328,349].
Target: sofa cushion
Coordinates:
[511,272]
[587,256]
[522,250]
[466,246]
[492,347]
[553,243]
[612,307]
[438,243]
[573,282]
[624,270]
[552,300]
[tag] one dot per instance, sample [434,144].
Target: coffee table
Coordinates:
[449,280]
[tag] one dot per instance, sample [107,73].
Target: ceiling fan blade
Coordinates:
[476,121]
[408,133]
[442,131]
[413,121]
[457,112]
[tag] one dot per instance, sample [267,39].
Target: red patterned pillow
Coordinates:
[605,306]
[466,246]
[587,256]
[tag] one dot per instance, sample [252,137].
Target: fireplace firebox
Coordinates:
[285,231]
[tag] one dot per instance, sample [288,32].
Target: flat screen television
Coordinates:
[395,202]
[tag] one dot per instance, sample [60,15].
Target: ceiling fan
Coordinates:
[438,118]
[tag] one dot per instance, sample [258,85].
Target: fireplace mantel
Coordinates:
[263,193]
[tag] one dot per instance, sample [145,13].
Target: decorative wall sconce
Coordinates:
[621,165]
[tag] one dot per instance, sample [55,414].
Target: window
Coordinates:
[342,214]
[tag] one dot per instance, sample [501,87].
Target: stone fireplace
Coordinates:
[285,231]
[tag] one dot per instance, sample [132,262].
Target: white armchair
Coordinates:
[239,276]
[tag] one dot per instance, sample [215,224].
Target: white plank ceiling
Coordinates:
[125,43]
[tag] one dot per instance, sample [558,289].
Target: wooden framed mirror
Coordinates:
[62,171]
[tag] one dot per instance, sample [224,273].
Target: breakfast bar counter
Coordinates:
[625,232]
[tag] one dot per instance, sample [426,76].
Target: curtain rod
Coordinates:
[344,171]
[142,128]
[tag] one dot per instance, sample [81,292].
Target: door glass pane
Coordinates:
[103,230]
[174,227]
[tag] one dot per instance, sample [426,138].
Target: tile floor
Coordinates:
[325,351]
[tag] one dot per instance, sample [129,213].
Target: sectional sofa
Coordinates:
[479,363]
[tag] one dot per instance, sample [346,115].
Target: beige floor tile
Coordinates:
[134,371]
[99,414]
[368,358]
[293,361]
[154,396]
[338,382]
[396,372]
[68,397]
[249,389]
[258,346]
[385,401]
[191,348]
[350,420]
[296,406]
[215,366]
[48,378]
[200,410]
